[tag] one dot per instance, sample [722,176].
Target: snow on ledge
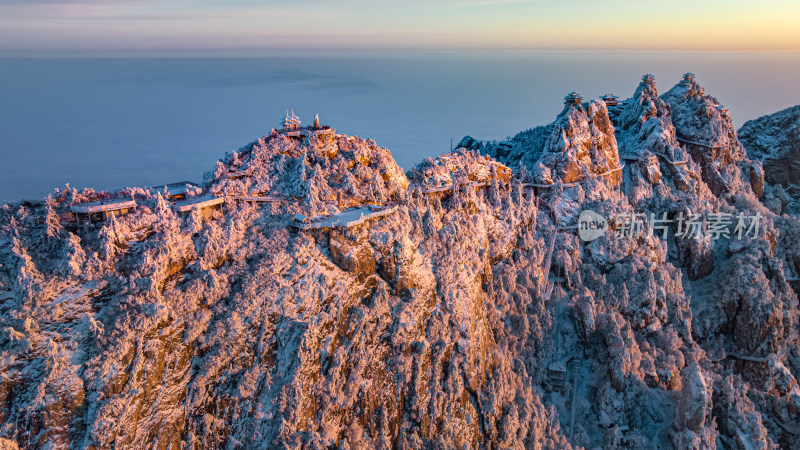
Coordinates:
[197,202]
[96,207]
[347,219]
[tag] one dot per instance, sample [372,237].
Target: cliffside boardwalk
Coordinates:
[101,209]
[574,183]
[344,219]
[198,202]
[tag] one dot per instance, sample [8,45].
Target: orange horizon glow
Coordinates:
[612,25]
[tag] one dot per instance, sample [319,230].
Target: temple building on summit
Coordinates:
[292,127]
[610,99]
[573,98]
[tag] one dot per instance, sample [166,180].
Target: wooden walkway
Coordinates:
[449,187]
[665,157]
[198,202]
[245,198]
[344,219]
[574,183]
[670,161]
[686,141]
[102,206]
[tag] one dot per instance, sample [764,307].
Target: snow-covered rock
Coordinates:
[775,141]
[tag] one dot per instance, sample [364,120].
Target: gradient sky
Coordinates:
[30,26]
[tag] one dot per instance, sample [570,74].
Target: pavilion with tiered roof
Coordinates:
[610,99]
[573,98]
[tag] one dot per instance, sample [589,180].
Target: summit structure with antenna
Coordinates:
[291,122]
[291,126]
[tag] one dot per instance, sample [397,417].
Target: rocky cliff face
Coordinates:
[445,324]
[775,141]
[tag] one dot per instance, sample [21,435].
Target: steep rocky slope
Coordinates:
[445,324]
[774,140]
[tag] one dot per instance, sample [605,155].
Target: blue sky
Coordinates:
[206,25]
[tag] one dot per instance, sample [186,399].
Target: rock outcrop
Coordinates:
[775,141]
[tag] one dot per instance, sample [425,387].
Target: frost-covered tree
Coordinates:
[219,171]
[167,253]
[495,197]
[523,173]
[110,237]
[349,185]
[52,222]
[279,165]
[212,246]
[295,178]
[196,221]
[377,192]
[24,267]
[73,256]
[166,222]
[318,190]
[72,194]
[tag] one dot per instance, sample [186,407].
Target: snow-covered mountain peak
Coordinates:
[309,294]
